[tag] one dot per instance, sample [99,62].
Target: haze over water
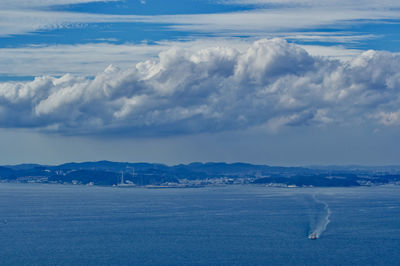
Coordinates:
[233,225]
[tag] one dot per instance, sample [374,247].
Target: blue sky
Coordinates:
[31,25]
[263,81]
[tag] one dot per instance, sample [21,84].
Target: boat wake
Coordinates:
[320,219]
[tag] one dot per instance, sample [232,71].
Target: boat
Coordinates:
[313,236]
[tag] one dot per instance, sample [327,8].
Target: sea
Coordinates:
[43,224]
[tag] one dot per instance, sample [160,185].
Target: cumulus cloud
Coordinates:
[272,83]
[92,58]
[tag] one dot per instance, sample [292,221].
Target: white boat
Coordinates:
[313,236]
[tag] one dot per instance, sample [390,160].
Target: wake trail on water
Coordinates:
[321,219]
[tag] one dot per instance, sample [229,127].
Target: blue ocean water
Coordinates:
[233,225]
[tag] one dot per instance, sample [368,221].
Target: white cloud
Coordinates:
[334,52]
[23,21]
[89,59]
[272,20]
[81,59]
[389,118]
[14,20]
[26,4]
[271,83]
[321,3]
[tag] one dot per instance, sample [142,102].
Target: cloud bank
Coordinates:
[272,83]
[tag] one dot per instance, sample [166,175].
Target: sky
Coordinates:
[276,82]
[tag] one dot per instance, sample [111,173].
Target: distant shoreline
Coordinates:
[147,175]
